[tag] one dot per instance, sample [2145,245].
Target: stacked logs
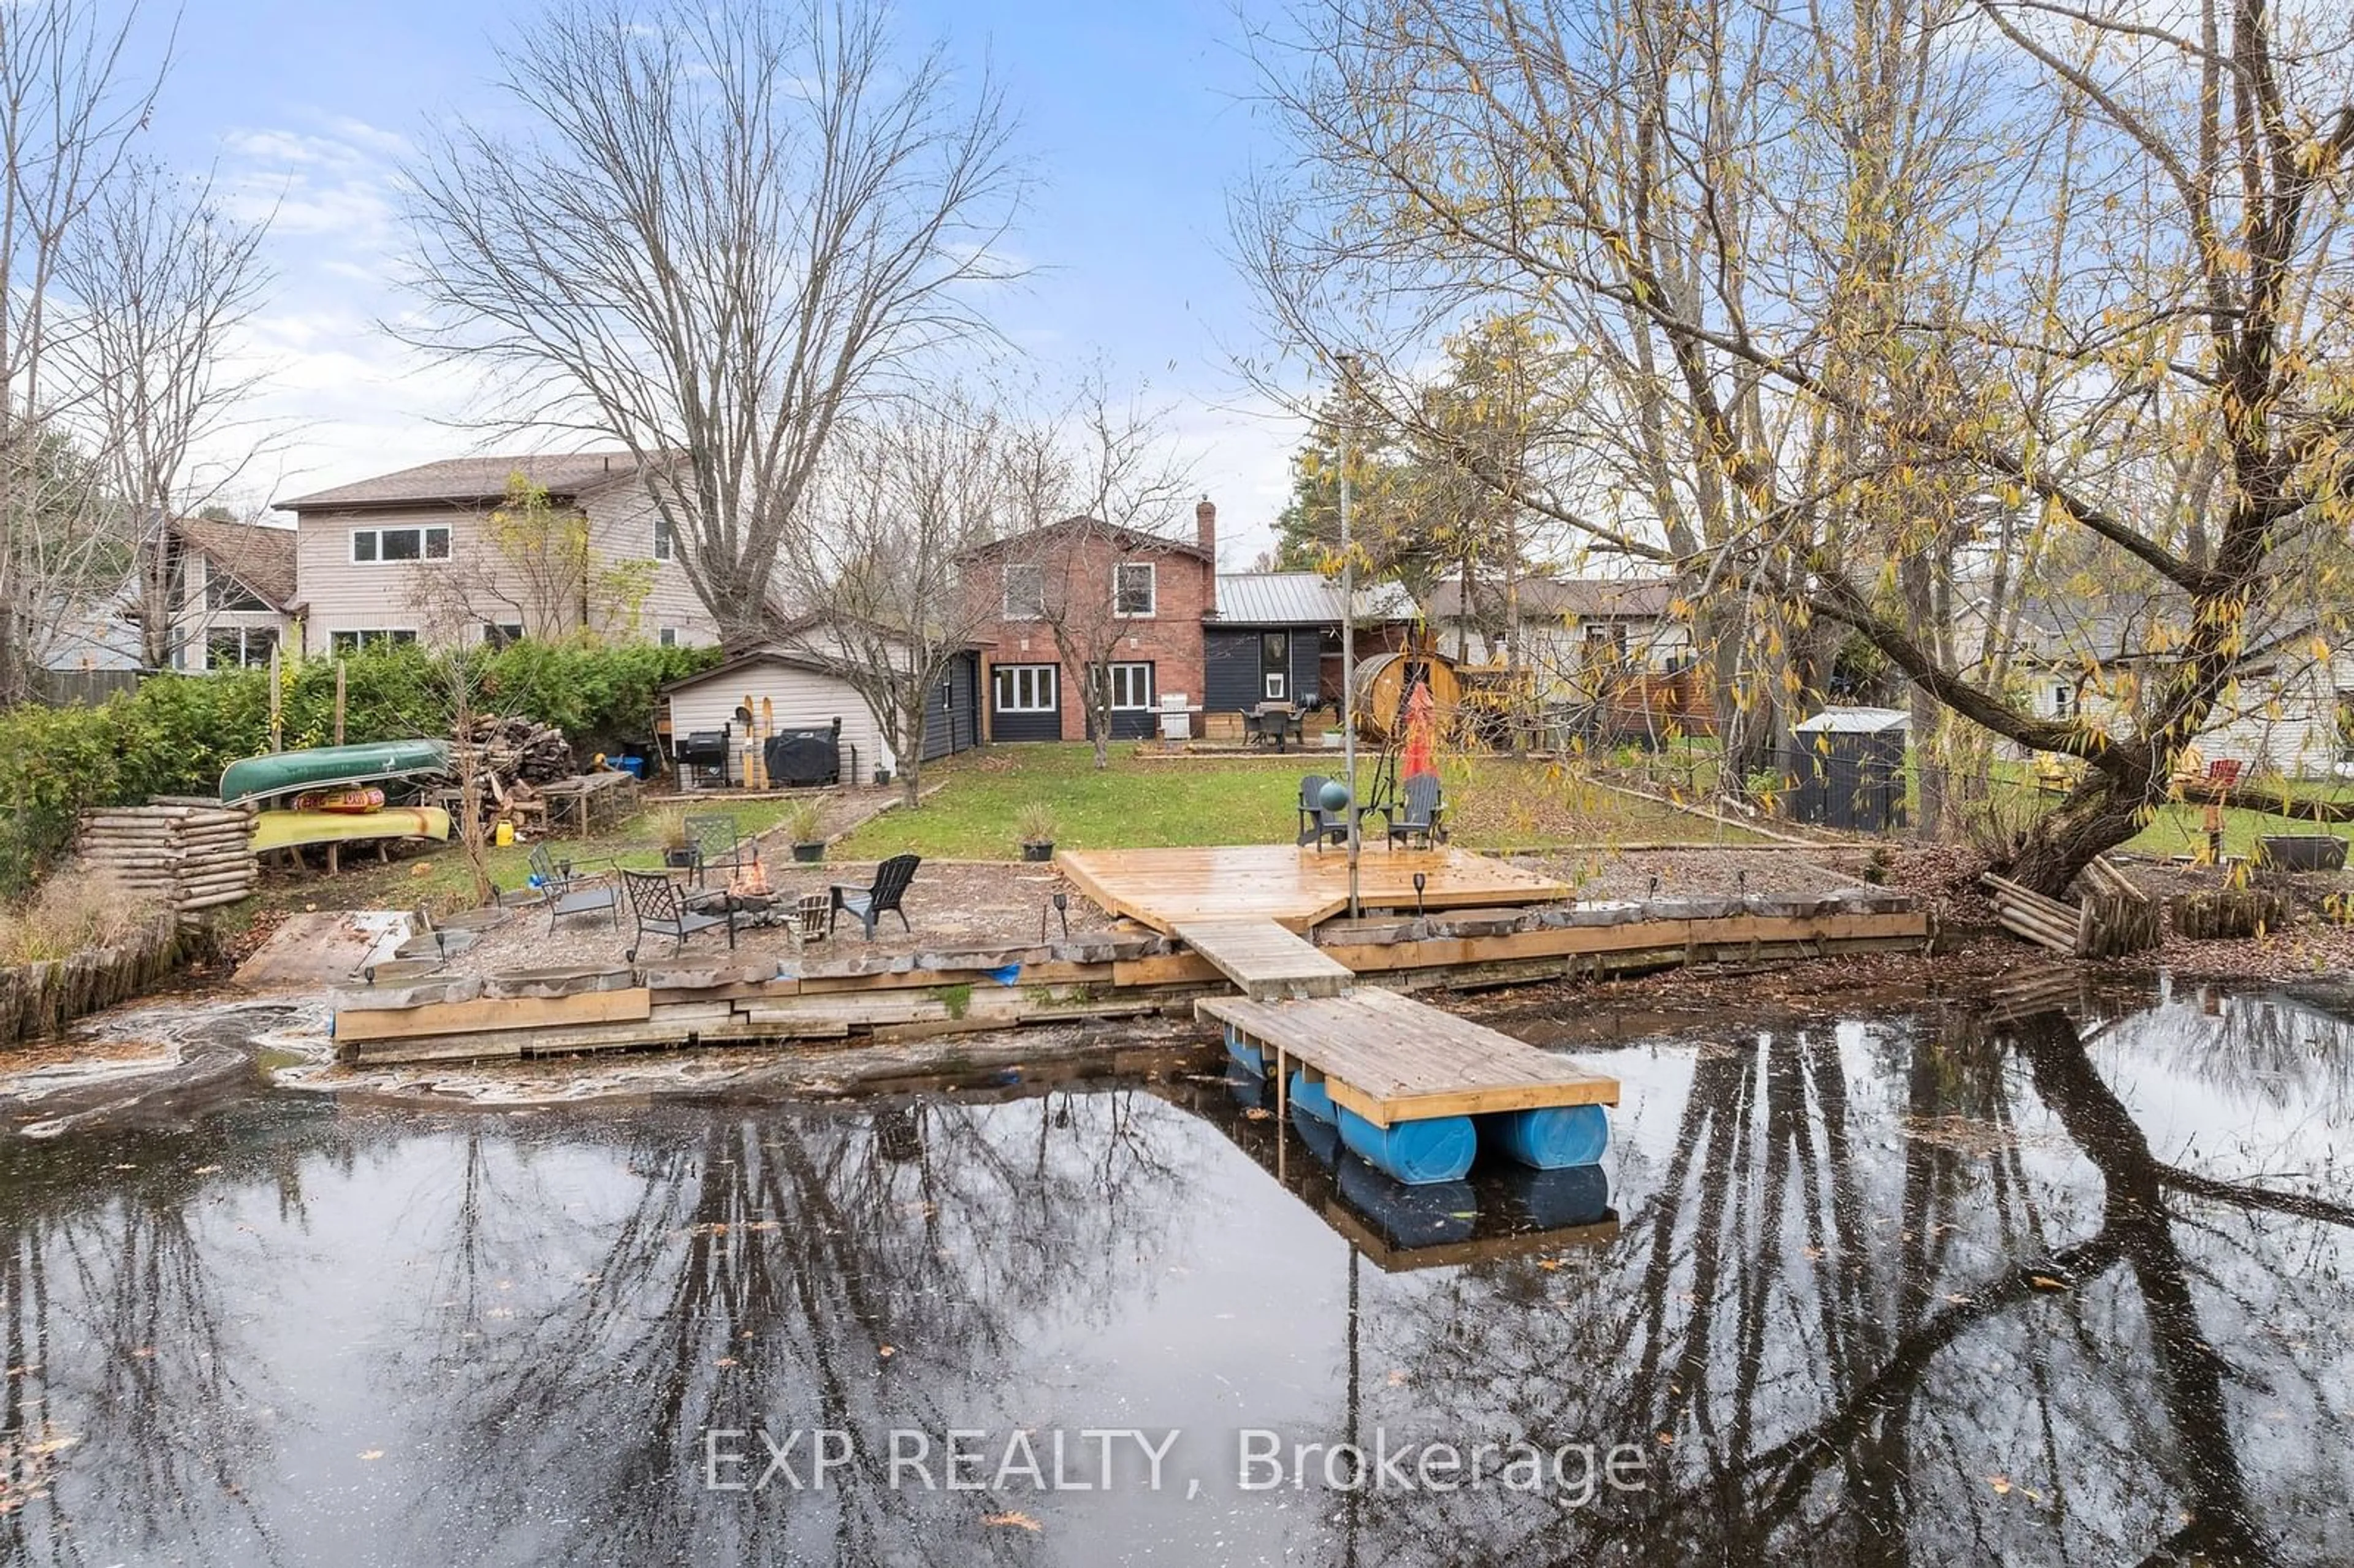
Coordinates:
[2112,918]
[187,854]
[512,749]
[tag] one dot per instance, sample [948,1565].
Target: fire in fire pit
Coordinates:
[749,881]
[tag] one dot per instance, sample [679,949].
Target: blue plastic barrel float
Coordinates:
[1550,1138]
[1418,1153]
[1558,1200]
[1246,1088]
[1429,1216]
[1249,1056]
[1315,1099]
[1322,1138]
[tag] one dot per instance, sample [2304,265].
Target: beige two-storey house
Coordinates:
[407,557]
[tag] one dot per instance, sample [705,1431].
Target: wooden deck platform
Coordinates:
[1296,889]
[1390,1058]
[1267,962]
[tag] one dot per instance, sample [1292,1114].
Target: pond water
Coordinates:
[1925,1286]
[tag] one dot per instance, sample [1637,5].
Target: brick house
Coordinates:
[370,557]
[1137,598]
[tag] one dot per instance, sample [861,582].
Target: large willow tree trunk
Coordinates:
[2098,815]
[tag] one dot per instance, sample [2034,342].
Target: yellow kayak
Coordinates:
[284,829]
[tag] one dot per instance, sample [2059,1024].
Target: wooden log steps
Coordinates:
[187,856]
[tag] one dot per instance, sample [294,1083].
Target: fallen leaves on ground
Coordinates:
[1013,1519]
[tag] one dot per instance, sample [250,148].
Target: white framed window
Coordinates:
[1024,688]
[238,647]
[664,547]
[1131,686]
[392,546]
[500,633]
[1274,685]
[1025,590]
[2064,702]
[1135,588]
[360,639]
[667,637]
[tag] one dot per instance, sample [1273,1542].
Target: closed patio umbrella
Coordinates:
[1421,731]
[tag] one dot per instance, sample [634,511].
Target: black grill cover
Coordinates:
[800,757]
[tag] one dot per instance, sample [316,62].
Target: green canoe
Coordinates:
[256,777]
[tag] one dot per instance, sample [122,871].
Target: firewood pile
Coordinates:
[2112,916]
[512,749]
[187,854]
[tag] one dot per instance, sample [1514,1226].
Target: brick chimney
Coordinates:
[1205,529]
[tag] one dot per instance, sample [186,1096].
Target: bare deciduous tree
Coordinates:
[1883,283]
[70,104]
[156,282]
[905,498]
[732,228]
[1102,469]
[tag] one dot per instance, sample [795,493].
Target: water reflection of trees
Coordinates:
[1951,1308]
[863,1268]
[128,1419]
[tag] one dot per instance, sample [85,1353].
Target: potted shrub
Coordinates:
[677,853]
[1037,825]
[805,826]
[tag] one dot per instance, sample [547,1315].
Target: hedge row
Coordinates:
[176,733]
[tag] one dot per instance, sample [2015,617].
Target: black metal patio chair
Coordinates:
[660,905]
[566,891]
[1416,813]
[1318,826]
[879,898]
[716,845]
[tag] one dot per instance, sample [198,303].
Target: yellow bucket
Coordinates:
[504,834]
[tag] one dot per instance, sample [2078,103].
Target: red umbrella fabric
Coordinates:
[1421,731]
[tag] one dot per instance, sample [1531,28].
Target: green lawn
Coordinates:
[1139,801]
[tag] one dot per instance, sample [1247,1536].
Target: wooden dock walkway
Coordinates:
[1294,887]
[1391,1059]
[1267,962]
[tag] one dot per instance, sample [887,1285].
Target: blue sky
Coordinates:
[1137,117]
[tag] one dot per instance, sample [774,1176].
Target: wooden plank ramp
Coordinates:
[1264,961]
[1390,1058]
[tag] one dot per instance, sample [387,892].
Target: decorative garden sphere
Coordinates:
[1335,795]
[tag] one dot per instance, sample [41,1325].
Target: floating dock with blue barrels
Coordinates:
[1418,1092]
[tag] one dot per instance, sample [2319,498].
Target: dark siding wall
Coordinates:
[1129,724]
[1027,726]
[956,727]
[1230,654]
[1230,660]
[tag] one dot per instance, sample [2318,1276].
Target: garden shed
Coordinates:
[1848,765]
[806,705]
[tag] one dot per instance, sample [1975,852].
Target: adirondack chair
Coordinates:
[717,846]
[568,891]
[661,907]
[1416,813]
[880,897]
[1316,825]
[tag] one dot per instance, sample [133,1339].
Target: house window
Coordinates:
[1275,666]
[225,592]
[2064,702]
[1025,591]
[667,637]
[377,638]
[664,546]
[500,634]
[1024,688]
[1276,686]
[239,646]
[1131,686]
[1134,592]
[373,546]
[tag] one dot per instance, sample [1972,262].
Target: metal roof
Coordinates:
[1854,721]
[1303,599]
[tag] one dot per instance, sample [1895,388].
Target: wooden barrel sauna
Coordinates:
[1382,682]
